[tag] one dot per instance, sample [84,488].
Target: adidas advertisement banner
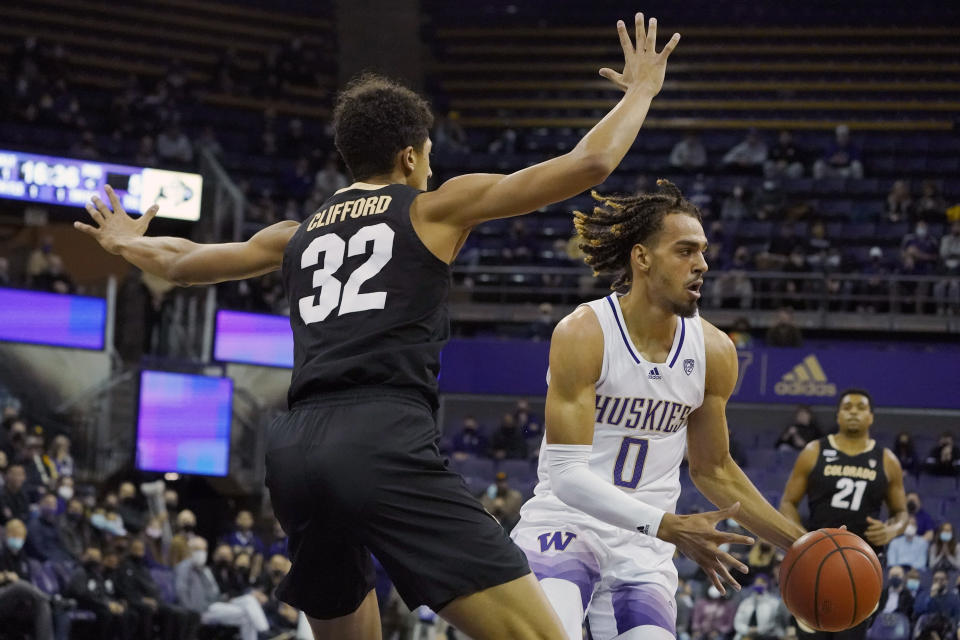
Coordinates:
[896,375]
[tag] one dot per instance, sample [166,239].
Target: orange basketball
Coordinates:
[831,580]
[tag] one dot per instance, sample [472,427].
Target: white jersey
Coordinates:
[642,407]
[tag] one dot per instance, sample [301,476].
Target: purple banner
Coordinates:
[54,319]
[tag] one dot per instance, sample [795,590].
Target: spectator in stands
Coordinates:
[146,155]
[770,203]
[232,573]
[748,156]
[529,424]
[689,154]
[761,558]
[518,245]
[74,529]
[931,205]
[4,463]
[197,590]
[734,206]
[940,600]
[907,455]
[130,509]
[186,525]
[784,158]
[19,599]
[701,197]
[54,279]
[93,591]
[841,159]
[5,280]
[14,503]
[505,144]
[508,441]
[877,287]
[60,456]
[281,616]
[923,247]
[173,145]
[896,598]
[136,585]
[899,201]
[802,430]
[503,502]
[329,179]
[760,615]
[908,549]
[280,544]
[784,332]
[944,550]
[243,540]
[733,289]
[947,291]
[208,142]
[713,616]
[470,441]
[944,458]
[740,333]
[685,600]
[297,183]
[448,134]
[39,259]
[171,500]
[43,533]
[16,437]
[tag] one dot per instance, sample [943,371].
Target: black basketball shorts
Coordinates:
[354,474]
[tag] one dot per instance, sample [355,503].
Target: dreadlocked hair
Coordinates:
[618,223]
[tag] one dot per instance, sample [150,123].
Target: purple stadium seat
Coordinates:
[517,470]
[474,467]
[889,626]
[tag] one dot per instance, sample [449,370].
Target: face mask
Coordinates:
[15,544]
[913,584]
[911,530]
[946,536]
[713,593]
[48,514]
[921,232]
[896,581]
[911,507]
[759,589]
[154,532]
[725,547]
[65,492]
[99,521]
[199,558]
[732,523]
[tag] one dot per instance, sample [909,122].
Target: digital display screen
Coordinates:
[253,338]
[54,319]
[183,423]
[72,182]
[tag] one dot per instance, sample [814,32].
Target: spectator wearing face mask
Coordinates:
[132,513]
[760,615]
[761,558]
[60,456]
[43,540]
[944,551]
[158,549]
[896,598]
[243,540]
[74,529]
[906,453]
[909,549]
[944,458]
[926,524]
[940,600]
[94,592]
[19,599]
[64,490]
[231,572]
[184,532]
[713,614]
[802,430]
[282,617]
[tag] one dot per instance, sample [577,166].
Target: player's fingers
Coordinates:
[114,200]
[610,75]
[725,573]
[639,32]
[651,44]
[729,512]
[670,46]
[101,206]
[150,213]
[624,39]
[872,521]
[732,538]
[728,560]
[95,213]
[715,579]
[87,229]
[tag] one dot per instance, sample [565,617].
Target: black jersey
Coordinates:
[368,300]
[844,490]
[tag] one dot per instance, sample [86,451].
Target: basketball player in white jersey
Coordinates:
[635,378]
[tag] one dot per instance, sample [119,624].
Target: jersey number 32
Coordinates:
[328,289]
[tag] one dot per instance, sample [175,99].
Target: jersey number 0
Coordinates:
[317,306]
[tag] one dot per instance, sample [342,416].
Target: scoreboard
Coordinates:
[72,182]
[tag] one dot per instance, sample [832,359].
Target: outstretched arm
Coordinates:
[179,260]
[712,469]
[467,200]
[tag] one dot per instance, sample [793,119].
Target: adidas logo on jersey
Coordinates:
[806,379]
[654,374]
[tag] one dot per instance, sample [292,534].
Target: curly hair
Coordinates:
[608,234]
[374,118]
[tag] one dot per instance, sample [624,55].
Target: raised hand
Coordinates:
[113,227]
[878,533]
[643,67]
[696,536]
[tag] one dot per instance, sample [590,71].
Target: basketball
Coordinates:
[831,579]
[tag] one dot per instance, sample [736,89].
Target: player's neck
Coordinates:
[649,324]
[397,176]
[852,443]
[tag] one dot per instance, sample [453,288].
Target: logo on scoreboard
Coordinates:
[177,193]
[806,379]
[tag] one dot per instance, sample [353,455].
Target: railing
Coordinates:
[228,200]
[820,300]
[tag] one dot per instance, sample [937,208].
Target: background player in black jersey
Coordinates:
[846,478]
[353,467]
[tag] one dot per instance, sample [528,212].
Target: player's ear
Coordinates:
[408,160]
[640,256]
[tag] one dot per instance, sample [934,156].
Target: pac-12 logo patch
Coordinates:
[688,366]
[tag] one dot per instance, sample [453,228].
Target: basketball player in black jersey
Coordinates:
[847,477]
[353,467]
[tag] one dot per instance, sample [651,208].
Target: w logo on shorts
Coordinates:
[555,540]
